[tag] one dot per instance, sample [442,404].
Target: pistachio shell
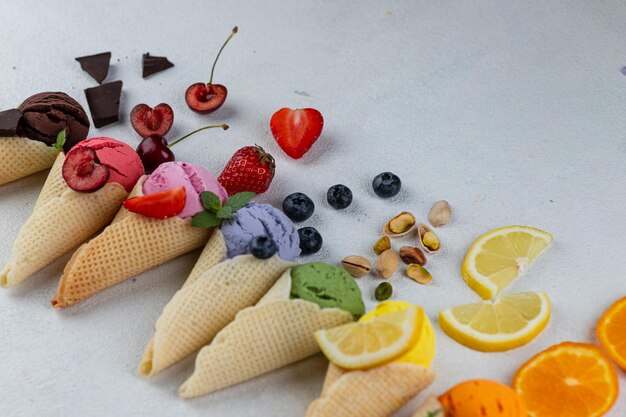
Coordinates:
[387,263]
[440,214]
[428,238]
[400,225]
[357,266]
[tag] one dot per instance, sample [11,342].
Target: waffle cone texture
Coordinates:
[214,252]
[61,220]
[131,244]
[22,157]
[201,309]
[376,392]
[273,334]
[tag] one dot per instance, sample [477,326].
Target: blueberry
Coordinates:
[298,207]
[310,240]
[339,196]
[263,247]
[386,184]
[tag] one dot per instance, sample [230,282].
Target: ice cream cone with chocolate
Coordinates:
[173,339]
[83,192]
[28,134]
[378,364]
[279,329]
[153,227]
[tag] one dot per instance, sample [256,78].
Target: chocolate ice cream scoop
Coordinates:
[44,115]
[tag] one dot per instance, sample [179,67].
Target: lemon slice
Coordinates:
[510,322]
[363,345]
[423,350]
[500,256]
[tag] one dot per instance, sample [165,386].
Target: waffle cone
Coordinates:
[201,309]
[274,333]
[213,253]
[130,245]
[61,220]
[376,392]
[22,157]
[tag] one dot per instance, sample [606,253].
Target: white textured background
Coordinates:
[512,111]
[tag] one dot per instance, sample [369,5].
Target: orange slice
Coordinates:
[611,332]
[569,379]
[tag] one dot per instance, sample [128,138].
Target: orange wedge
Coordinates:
[611,332]
[569,379]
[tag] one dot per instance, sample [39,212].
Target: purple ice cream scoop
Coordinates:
[260,220]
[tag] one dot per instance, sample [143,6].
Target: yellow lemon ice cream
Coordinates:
[423,353]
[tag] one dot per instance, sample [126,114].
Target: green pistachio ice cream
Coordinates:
[327,286]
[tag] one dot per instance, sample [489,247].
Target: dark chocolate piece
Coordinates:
[9,122]
[104,103]
[44,115]
[96,65]
[154,64]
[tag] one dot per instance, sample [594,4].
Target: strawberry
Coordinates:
[249,169]
[297,130]
[160,205]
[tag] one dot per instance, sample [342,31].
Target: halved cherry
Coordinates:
[206,98]
[152,121]
[160,205]
[82,170]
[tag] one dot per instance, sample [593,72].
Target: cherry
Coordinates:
[148,121]
[206,98]
[82,170]
[154,149]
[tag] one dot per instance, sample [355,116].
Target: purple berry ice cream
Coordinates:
[261,220]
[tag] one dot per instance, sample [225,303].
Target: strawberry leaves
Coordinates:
[215,213]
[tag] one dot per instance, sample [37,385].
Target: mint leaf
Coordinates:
[205,220]
[61,136]
[211,201]
[224,213]
[433,413]
[239,200]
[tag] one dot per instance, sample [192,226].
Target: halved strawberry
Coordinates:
[297,130]
[160,205]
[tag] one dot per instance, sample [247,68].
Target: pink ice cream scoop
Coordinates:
[98,161]
[194,178]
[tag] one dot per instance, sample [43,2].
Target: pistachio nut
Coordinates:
[383,291]
[387,263]
[440,213]
[419,274]
[412,255]
[382,245]
[357,266]
[428,239]
[400,225]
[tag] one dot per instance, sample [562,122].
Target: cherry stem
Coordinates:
[225,127]
[235,29]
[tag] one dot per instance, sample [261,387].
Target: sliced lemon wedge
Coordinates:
[498,257]
[363,345]
[510,322]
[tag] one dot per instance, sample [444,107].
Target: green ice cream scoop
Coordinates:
[327,286]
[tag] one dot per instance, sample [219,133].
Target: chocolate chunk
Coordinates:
[154,64]
[104,103]
[96,65]
[9,122]
[44,115]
